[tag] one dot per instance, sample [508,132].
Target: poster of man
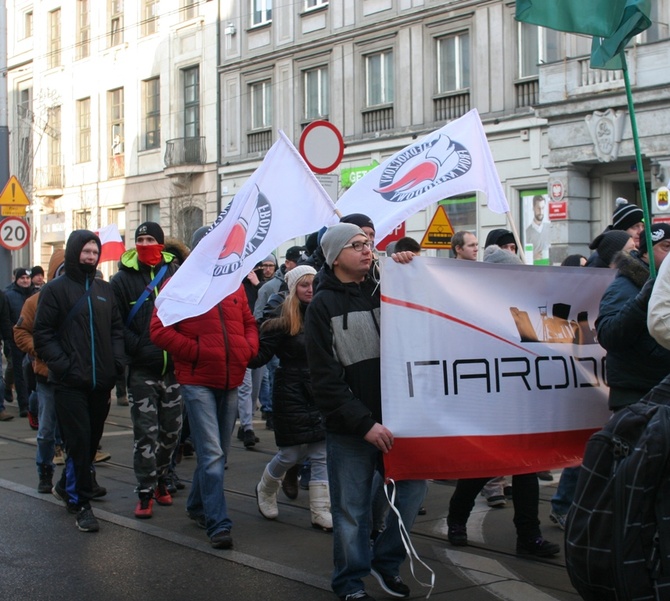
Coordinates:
[538,230]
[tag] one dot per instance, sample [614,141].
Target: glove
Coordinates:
[643,296]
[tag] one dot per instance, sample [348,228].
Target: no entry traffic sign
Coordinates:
[14,233]
[322,146]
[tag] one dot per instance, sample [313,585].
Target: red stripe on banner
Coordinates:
[454,457]
[111,251]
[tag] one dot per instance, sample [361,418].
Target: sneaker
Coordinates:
[357,596]
[249,439]
[86,521]
[538,547]
[558,519]
[5,417]
[59,456]
[198,518]
[33,421]
[457,535]
[393,585]
[101,456]
[23,413]
[161,494]
[222,540]
[496,501]
[545,476]
[179,485]
[145,506]
[240,433]
[422,510]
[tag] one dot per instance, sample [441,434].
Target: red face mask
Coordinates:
[150,254]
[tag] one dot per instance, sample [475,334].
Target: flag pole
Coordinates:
[516,236]
[638,163]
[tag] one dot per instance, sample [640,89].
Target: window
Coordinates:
[53,58]
[115,22]
[536,45]
[116,132]
[261,105]
[152,113]
[83,45]
[192,102]
[314,3]
[82,220]
[54,145]
[149,16]
[28,24]
[453,63]
[84,130]
[315,82]
[25,135]
[379,79]
[261,11]
[189,9]
[151,211]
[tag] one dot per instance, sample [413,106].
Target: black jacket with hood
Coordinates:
[343,351]
[86,350]
[128,284]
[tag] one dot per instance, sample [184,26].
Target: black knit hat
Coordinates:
[150,228]
[20,272]
[499,237]
[37,270]
[626,215]
[609,244]
[358,219]
[659,232]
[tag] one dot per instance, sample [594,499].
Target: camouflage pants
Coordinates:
[156,412]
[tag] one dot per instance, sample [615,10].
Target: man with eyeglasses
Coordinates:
[343,349]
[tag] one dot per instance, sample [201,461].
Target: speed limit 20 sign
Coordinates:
[14,233]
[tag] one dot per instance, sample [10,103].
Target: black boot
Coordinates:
[96,490]
[46,473]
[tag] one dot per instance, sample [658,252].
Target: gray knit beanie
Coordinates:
[335,238]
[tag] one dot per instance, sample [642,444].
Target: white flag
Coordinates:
[453,160]
[281,200]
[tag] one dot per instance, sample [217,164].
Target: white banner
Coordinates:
[453,160]
[489,369]
[281,200]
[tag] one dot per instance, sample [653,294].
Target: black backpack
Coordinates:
[617,537]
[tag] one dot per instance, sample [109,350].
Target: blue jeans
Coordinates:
[246,396]
[565,492]
[48,433]
[352,464]
[211,416]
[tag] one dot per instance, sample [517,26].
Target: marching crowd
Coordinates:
[303,340]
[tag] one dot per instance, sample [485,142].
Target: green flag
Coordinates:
[606,51]
[591,17]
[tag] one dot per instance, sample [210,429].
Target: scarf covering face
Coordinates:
[150,254]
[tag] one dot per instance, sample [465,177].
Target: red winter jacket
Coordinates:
[208,350]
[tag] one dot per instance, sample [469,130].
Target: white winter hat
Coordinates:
[296,273]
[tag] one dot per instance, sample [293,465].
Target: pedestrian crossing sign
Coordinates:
[439,232]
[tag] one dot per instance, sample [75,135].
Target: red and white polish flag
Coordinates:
[112,243]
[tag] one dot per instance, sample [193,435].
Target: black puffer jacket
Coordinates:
[86,351]
[128,285]
[297,420]
[635,361]
[343,351]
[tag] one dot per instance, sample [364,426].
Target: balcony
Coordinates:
[49,181]
[377,119]
[259,141]
[527,92]
[452,106]
[181,152]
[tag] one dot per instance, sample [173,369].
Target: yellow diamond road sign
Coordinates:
[13,194]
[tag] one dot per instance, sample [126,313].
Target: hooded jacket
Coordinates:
[635,362]
[23,330]
[128,284]
[212,349]
[343,351]
[85,351]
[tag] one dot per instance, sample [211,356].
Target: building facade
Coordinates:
[112,112]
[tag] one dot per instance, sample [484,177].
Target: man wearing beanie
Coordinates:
[343,350]
[17,293]
[628,218]
[78,333]
[37,276]
[503,238]
[153,392]
[635,362]
[606,247]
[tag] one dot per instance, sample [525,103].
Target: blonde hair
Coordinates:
[291,319]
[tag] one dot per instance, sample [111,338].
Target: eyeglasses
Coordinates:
[359,246]
[267,265]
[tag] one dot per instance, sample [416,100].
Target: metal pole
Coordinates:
[5,255]
[640,171]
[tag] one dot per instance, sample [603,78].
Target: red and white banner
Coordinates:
[453,160]
[281,200]
[112,243]
[489,370]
